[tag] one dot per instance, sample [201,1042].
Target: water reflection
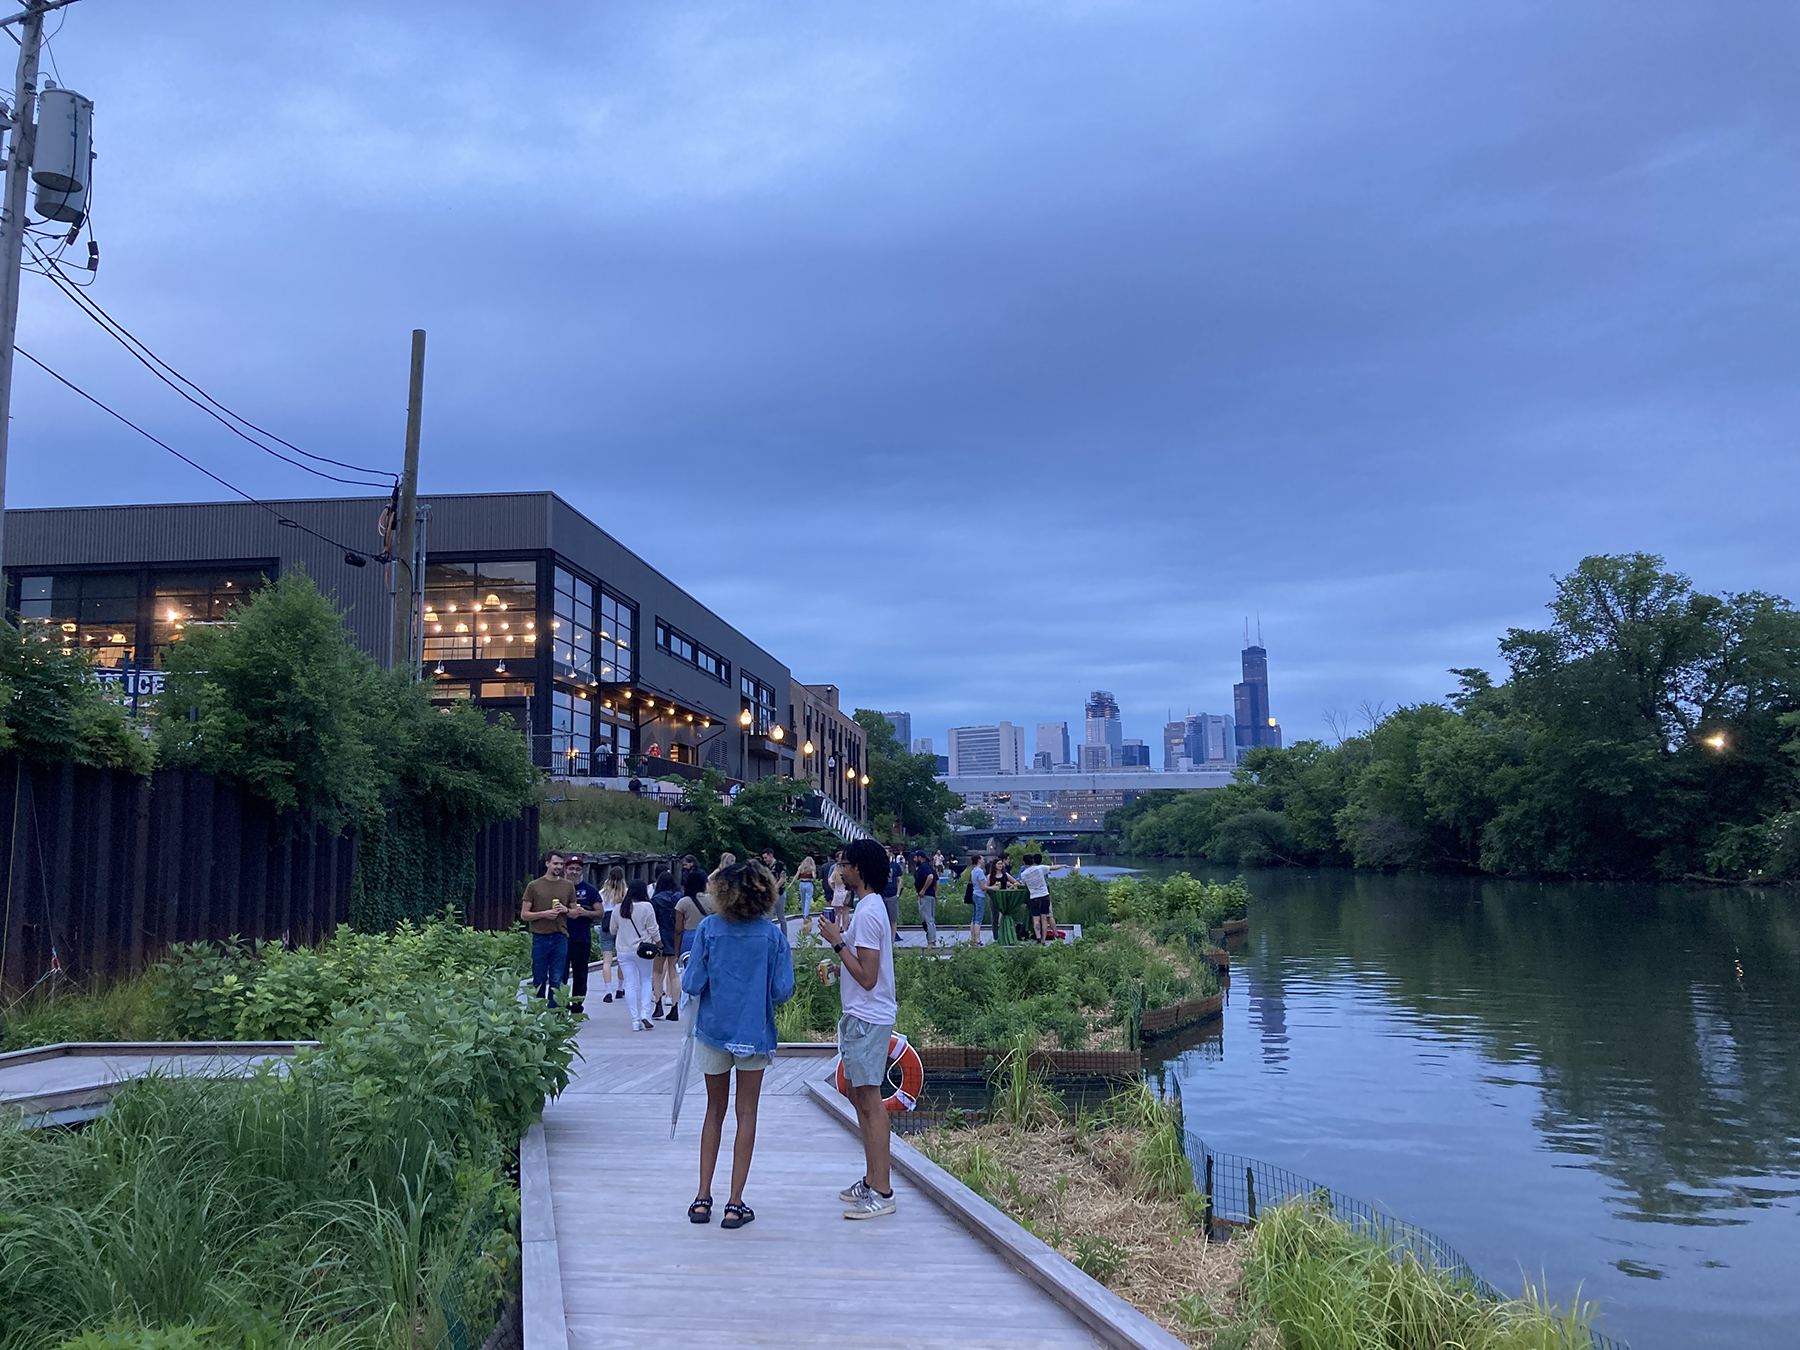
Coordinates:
[1598,1082]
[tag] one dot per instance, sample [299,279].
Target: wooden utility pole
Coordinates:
[406,528]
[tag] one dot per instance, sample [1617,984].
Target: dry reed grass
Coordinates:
[1080,1189]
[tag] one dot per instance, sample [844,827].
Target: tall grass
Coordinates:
[127,1011]
[359,1200]
[1327,1285]
[596,820]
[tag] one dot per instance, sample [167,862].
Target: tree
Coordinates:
[53,709]
[903,785]
[280,700]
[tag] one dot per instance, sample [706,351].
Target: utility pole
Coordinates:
[12,223]
[406,528]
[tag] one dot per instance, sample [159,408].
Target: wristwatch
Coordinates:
[837,946]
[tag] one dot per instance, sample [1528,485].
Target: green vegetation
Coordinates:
[1329,1286]
[760,817]
[1649,731]
[130,1010]
[280,699]
[54,711]
[358,1200]
[595,820]
[1081,995]
[905,797]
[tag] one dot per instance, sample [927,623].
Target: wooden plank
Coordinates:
[540,1276]
[800,1275]
[1113,1321]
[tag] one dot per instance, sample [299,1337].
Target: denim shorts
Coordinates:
[864,1049]
[609,942]
[713,1060]
[980,908]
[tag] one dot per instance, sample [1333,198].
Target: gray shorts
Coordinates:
[893,908]
[864,1048]
[713,1060]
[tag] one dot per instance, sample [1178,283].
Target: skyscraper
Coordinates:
[902,725]
[990,749]
[1053,740]
[1250,700]
[1104,726]
[1211,740]
[1132,755]
[1174,744]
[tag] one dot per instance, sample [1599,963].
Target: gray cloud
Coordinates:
[975,355]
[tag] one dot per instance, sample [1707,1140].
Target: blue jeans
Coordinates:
[549,963]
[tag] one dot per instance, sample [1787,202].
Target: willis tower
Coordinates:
[1250,700]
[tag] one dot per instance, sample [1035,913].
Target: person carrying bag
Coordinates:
[639,944]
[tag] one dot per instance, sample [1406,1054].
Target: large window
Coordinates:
[181,601]
[99,612]
[683,648]
[95,612]
[761,699]
[480,611]
[618,622]
[571,731]
[572,628]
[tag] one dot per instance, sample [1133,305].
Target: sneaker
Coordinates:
[607,999]
[855,1191]
[874,1205]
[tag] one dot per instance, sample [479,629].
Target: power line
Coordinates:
[205,402]
[229,487]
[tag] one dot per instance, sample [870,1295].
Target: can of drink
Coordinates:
[828,973]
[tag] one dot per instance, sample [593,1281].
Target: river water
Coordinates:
[1597,1086]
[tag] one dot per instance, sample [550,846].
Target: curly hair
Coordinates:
[743,891]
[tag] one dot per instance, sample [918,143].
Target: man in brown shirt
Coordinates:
[547,901]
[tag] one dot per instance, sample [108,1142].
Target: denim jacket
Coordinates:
[738,972]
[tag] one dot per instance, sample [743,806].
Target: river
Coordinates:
[1597,1086]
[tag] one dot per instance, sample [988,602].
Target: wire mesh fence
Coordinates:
[1238,1189]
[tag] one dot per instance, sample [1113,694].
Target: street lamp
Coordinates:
[744,720]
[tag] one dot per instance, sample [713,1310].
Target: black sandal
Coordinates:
[736,1216]
[701,1210]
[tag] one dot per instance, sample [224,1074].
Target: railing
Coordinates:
[847,826]
[1238,1189]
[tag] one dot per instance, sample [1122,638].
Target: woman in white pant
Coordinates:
[634,923]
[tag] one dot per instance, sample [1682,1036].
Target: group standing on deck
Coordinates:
[731,927]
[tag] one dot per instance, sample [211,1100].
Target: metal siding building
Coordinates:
[125,581]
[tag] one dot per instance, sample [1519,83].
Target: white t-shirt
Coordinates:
[1037,881]
[869,928]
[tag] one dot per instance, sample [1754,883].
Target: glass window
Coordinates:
[183,600]
[572,627]
[612,652]
[94,612]
[571,731]
[484,610]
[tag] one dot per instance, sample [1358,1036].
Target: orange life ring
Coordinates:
[905,1075]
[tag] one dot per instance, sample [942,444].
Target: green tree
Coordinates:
[903,785]
[53,709]
[280,700]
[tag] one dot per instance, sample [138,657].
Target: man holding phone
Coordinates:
[866,949]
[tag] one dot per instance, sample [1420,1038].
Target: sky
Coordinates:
[973,355]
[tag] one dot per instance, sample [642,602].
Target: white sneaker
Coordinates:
[855,1191]
[874,1205]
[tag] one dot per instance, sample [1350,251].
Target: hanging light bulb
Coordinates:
[501,668]
[438,669]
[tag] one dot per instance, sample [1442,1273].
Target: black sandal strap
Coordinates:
[701,1210]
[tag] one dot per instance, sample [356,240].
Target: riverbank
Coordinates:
[1113,1191]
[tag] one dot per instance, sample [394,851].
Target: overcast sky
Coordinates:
[974,355]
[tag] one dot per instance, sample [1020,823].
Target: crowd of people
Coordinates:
[718,942]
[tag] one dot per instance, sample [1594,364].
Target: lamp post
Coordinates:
[744,720]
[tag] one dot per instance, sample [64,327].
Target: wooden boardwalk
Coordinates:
[68,1083]
[635,1272]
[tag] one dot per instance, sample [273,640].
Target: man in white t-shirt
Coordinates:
[866,948]
[1036,877]
[978,879]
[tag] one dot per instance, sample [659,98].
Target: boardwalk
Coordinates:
[635,1272]
[66,1084]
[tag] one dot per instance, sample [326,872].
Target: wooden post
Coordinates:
[406,531]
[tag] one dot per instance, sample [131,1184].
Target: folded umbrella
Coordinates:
[684,1056]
